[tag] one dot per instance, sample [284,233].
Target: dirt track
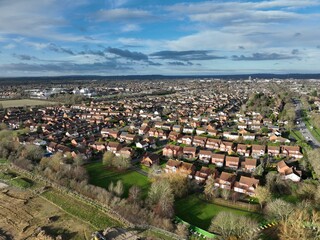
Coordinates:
[22,213]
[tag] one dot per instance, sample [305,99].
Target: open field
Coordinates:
[81,210]
[102,177]
[22,213]
[24,102]
[199,213]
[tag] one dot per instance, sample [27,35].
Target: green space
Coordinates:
[6,175]
[82,210]
[21,182]
[102,177]
[297,135]
[25,102]
[200,213]
[3,161]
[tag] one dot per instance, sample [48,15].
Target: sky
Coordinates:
[168,37]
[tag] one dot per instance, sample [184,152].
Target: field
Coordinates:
[199,213]
[22,213]
[87,213]
[100,176]
[24,102]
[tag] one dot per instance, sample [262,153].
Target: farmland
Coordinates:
[22,213]
[24,102]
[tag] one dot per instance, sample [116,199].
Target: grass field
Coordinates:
[102,177]
[21,182]
[199,213]
[81,210]
[24,102]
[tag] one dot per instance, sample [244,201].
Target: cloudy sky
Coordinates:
[170,37]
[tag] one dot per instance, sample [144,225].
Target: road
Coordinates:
[303,128]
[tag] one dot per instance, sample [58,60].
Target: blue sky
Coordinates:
[120,37]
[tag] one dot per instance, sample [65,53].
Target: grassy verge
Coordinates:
[199,213]
[81,210]
[102,177]
[3,161]
[21,182]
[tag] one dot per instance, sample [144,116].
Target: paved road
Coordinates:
[303,128]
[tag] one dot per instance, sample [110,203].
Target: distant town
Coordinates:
[168,157]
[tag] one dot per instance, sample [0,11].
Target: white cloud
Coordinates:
[131,28]
[9,46]
[122,14]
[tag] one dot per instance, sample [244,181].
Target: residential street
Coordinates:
[301,126]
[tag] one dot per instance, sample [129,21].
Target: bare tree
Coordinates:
[225,194]
[279,209]
[134,194]
[118,188]
[231,226]
[161,198]
[182,230]
[263,194]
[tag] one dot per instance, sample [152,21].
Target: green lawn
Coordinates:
[81,210]
[199,213]
[21,182]
[3,161]
[102,177]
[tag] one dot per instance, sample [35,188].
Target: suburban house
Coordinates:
[292,151]
[172,166]
[187,139]
[218,159]
[246,185]
[187,169]
[114,147]
[232,162]
[226,146]
[126,152]
[189,152]
[243,150]
[172,151]
[287,172]
[258,150]
[202,175]
[273,150]
[150,159]
[199,141]
[249,164]
[174,136]
[225,181]
[205,156]
[213,143]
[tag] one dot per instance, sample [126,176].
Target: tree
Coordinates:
[225,194]
[313,158]
[209,191]
[118,188]
[134,194]
[121,162]
[3,126]
[161,198]
[231,226]
[107,158]
[279,209]
[182,230]
[263,194]
[111,187]
[302,224]
[259,170]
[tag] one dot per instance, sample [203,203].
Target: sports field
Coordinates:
[24,102]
